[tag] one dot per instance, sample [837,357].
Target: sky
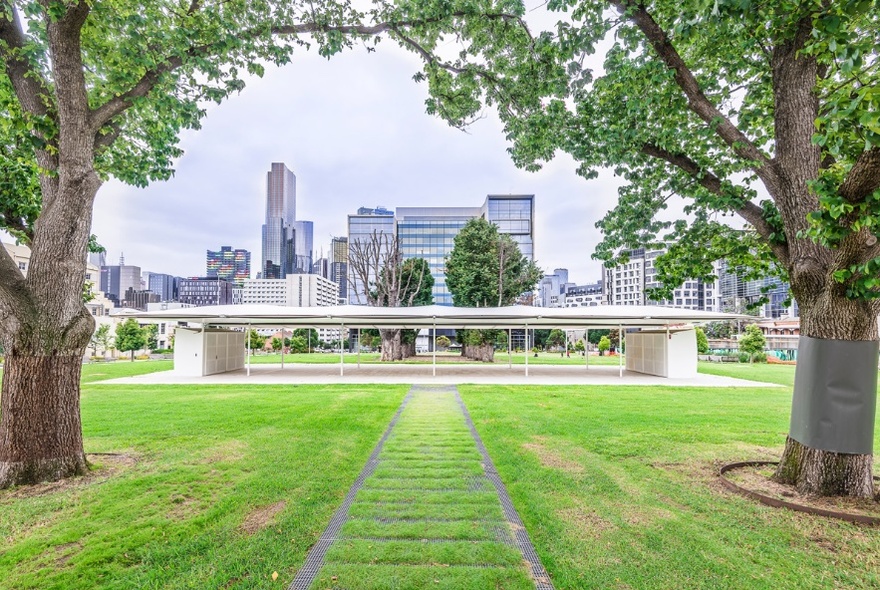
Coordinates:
[354,131]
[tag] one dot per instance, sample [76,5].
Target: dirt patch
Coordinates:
[552,458]
[757,479]
[260,518]
[64,552]
[102,466]
[583,523]
[228,451]
[645,516]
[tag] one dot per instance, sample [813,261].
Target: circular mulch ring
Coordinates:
[777,503]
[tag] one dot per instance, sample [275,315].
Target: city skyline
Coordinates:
[373,147]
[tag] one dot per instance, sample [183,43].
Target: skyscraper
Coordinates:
[231,265]
[339,265]
[303,232]
[277,259]
[361,228]
[117,279]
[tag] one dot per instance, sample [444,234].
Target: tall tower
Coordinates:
[303,246]
[277,259]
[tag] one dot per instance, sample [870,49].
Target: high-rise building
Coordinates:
[231,265]
[429,232]
[361,228]
[199,291]
[627,284]
[277,256]
[339,265]
[298,290]
[738,295]
[163,285]
[303,236]
[117,279]
[589,295]
[553,287]
[321,267]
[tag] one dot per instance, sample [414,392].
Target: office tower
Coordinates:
[117,279]
[303,233]
[228,264]
[321,267]
[514,215]
[361,227]
[163,285]
[429,232]
[299,290]
[339,265]
[277,256]
[199,291]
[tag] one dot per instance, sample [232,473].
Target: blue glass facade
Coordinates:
[360,229]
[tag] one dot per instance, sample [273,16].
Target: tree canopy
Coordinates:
[486,268]
[130,336]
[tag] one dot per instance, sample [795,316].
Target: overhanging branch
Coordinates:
[743,207]
[115,106]
[698,102]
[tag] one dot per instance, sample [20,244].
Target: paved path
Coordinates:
[450,374]
[427,511]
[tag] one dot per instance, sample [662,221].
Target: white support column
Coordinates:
[587,347]
[359,348]
[434,349]
[509,344]
[247,339]
[620,350]
[282,349]
[527,350]
[341,350]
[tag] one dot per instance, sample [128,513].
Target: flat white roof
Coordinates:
[441,316]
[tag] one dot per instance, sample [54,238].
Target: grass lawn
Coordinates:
[616,488]
[228,485]
[225,485]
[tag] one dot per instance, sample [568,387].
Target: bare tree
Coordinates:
[380,277]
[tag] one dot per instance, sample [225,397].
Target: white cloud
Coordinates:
[354,131]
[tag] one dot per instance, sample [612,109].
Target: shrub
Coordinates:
[759,357]
[743,357]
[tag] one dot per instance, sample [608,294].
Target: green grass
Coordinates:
[616,487]
[207,457]
[614,484]
[427,516]
[765,373]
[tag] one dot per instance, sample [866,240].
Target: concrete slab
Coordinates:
[447,374]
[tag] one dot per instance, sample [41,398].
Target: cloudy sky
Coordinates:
[354,131]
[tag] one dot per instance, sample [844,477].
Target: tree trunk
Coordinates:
[40,430]
[480,352]
[817,471]
[45,330]
[391,348]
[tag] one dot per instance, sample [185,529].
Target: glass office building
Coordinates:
[514,215]
[277,258]
[429,232]
[228,264]
[361,228]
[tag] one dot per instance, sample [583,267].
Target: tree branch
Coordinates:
[13,289]
[29,85]
[749,211]
[684,78]
[119,104]
[863,178]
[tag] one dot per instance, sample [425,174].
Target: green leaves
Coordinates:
[486,268]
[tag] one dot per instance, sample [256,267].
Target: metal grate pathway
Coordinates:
[428,508]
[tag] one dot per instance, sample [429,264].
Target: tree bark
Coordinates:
[391,346]
[40,430]
[820,472]
[484,353]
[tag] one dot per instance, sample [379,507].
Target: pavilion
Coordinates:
[659,340]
